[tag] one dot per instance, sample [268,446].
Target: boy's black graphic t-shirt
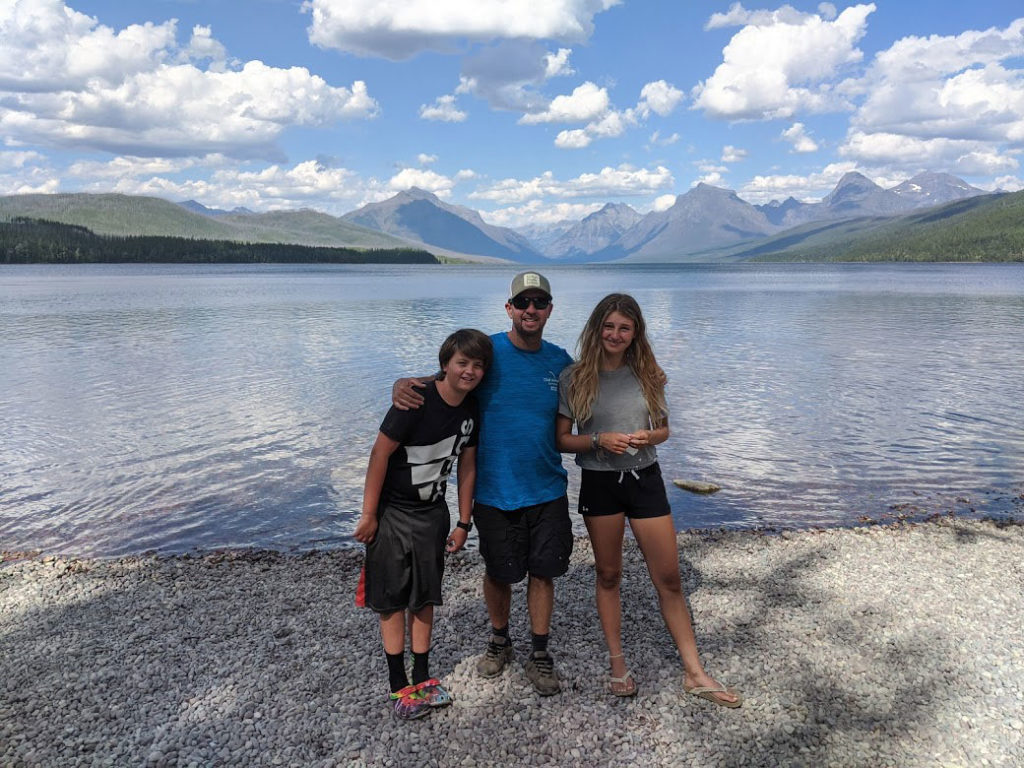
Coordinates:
[431,437]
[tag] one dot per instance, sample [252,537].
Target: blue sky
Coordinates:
[530,111]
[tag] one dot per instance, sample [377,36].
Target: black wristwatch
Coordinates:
[467,527]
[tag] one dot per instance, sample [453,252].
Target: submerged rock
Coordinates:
[697,486]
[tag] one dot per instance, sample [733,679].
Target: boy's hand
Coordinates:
[366,529]
[456,540]
[403,395]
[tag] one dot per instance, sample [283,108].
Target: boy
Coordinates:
[405,517]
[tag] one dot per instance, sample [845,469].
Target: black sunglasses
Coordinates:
[522,302]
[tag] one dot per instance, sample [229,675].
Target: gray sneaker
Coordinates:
[498,653]
[540,669]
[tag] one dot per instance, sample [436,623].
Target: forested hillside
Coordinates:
[33,241]
[128,216]
[987,228]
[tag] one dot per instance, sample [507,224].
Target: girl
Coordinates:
[615,394]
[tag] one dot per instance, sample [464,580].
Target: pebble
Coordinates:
[852,647]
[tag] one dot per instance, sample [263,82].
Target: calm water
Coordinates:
[174,408]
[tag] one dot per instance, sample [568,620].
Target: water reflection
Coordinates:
[171,408]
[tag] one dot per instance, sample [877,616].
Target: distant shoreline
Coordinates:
[38,241]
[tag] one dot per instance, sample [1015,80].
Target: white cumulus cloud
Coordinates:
[399,29]
[536,212]
[622,181]
[663,202]
[68,81]
[588,102]
[796,135]
[965,156]
[508,74]
[26,173]
[422,178]
[811,188]
[585,103]
[443,109]
[657,140]
[1007,184]
[738,16]
[954,102]
[557,64]
[731,154]
[781,62]
[275,187]
[659,97]
[134,167]
[577,138]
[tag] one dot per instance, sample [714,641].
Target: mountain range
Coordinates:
[418,216]
[125,215]
[706,223]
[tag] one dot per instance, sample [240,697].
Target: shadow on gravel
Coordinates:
[821,690]
[251,658]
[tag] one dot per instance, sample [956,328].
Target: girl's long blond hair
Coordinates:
[583,381]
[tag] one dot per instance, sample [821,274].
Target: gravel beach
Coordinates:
[876,646]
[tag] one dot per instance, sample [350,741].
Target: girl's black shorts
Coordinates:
[637,493]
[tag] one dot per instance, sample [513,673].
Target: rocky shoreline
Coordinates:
[879,646]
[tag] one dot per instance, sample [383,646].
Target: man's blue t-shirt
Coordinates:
[517,463]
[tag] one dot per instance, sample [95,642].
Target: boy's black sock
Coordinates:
[420,667]
[503,632]
[396,671]
[540,642]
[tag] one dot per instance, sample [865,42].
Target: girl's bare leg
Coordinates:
[657,539]
[606,533]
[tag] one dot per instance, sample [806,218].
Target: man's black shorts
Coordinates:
[638,494]
[536,540]
[405,560]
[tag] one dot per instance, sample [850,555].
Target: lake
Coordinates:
[179,408]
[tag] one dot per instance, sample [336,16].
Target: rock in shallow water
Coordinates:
[697,486]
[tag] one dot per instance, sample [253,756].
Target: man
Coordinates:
[520,508]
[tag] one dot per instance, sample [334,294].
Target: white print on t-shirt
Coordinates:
[552,381]
[431,464]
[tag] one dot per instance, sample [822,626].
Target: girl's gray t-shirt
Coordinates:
[619,407]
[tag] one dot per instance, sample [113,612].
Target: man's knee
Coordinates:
[496,587]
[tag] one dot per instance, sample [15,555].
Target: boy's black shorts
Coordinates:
[405,560]
[536,540]
[639,495]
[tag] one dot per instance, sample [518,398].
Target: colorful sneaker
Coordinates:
[498,653]
[410,703]
[540,669]
[435,693]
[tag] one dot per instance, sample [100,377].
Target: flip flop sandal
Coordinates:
[436,694]
[410,703]
[708,692]
[627,681]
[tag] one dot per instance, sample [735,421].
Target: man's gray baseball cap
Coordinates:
[526,280]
